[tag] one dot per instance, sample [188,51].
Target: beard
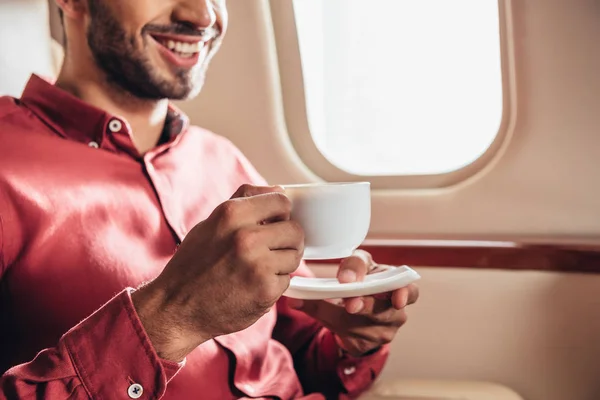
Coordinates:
[126,64]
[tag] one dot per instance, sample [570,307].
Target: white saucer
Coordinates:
[329,288]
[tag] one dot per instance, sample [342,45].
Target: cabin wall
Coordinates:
[534,332]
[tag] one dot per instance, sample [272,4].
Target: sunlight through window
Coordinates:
[401,87]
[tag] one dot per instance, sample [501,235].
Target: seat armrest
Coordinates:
[438,390]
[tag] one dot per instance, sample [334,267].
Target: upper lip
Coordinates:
[182,38]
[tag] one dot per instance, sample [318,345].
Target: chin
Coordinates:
[188,90]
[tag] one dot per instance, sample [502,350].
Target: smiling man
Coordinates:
[141,257]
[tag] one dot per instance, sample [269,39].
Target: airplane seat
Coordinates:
[402,389]
[26,45]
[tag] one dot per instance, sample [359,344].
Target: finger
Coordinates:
[366,305]
[251,190]
[330,315]
[400,298]
[354,305]
[372,307]
[239,212]
[248,190]
[365,327]
[268,207]
[405,296]
[355,267]
[283,282]
[379,268]
[378,333]
[283,235]
[284,262]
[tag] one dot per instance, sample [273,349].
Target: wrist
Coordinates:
[162,326]
[346,350]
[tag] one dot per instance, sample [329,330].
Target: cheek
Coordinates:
[133,15]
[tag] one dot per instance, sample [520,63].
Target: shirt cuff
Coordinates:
[114,357]
[356,374]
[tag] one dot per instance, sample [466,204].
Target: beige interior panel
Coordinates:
[541,187]
[534,332]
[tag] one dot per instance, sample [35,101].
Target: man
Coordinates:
[104,187]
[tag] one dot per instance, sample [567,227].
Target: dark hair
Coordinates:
[60,14]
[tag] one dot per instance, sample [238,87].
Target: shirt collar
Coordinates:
[75,119]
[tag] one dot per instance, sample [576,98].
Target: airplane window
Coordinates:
[401,87]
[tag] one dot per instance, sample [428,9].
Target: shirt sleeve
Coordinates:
[321,365]
[106,356]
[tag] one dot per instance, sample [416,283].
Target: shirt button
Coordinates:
[93,145]
[349,370]
[115,125]
[135,391]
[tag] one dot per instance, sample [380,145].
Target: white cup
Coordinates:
[335,217]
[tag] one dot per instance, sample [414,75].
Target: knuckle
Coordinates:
[387,335]
[400,318]
[387,317]
[284,202]
[246,190]
[228,210]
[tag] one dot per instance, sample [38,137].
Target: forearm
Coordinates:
[102,357]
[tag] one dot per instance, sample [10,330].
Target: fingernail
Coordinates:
[358,307]
[405,299]
[347,276]
[295,303]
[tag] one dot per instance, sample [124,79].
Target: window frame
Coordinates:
[297,123]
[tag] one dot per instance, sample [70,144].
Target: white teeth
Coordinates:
[187,49]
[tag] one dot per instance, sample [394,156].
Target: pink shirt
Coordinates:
[83,219]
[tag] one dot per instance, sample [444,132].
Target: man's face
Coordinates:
[156,49]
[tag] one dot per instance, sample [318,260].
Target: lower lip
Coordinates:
[178,61]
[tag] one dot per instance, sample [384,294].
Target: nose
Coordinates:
[198,13]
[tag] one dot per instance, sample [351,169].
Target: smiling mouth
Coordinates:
[179,48]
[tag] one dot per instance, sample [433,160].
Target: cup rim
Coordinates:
[325,184]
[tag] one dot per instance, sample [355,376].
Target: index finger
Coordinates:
[267,208]
[248,190]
